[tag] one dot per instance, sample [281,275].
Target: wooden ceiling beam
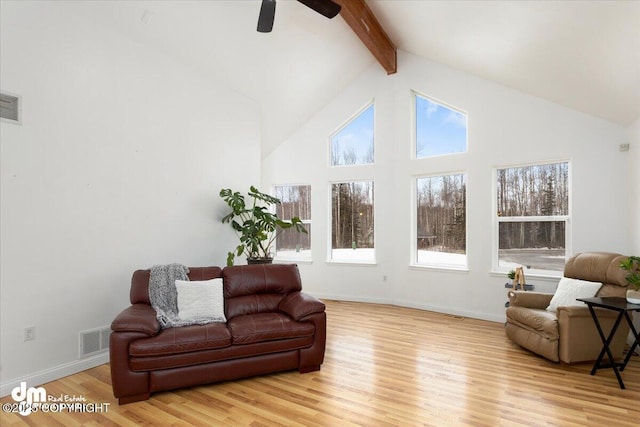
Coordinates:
[364,23]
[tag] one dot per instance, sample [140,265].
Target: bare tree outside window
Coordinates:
[295,201]
[533,212]
[352,222]
[353,143]
[441,221]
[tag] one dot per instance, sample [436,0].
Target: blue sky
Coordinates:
[439,130]
[356,137]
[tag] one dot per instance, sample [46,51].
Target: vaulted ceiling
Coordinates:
[581,54]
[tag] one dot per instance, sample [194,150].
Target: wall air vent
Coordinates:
[10,106]
[94,341]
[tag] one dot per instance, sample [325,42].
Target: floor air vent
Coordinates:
[94,341]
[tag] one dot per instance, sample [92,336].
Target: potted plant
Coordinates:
[632,265]
[255,224]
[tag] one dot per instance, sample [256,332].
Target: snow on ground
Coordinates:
[368,255]
[547,259]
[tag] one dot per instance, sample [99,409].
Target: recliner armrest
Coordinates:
[583,311]
[529,299]
[299,305]
[137,318]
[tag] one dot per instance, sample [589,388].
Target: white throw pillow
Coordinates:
[200,301]
[570,289]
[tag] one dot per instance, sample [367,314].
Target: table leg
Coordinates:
[636,340]
[605,346]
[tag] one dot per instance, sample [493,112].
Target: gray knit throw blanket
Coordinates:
[163,294]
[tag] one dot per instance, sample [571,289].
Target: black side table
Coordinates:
[623,308]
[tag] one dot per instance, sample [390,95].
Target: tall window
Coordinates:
[533,213]
[440,129]
[295,201]
[441,221]
[352,222]
[353,143]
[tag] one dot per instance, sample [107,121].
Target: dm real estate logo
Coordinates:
[34,399]
[28,398]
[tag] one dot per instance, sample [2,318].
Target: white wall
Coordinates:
[505,127]
[634,183]
[117,166]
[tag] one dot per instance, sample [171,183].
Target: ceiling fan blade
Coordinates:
[267,14]
[323,7]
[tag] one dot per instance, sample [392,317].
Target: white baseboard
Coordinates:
[447,310]
[352,298]
[39,378]
[412,304]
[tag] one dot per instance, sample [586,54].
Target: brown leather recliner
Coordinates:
[271,326]
[570,335]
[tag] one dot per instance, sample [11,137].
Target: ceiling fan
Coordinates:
[268,11]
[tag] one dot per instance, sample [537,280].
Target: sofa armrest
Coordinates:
[299,305]
[529,299]
[137,318]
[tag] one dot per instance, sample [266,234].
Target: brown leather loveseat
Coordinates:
[271,326]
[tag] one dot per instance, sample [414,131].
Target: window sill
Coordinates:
[354,263]
[294,260]
[538,276]
[443,268]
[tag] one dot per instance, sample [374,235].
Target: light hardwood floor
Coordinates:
[384,366]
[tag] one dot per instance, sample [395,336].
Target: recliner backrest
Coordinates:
[601,267]
[258,288]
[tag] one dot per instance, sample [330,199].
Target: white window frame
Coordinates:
[553,218]
[414,225]
[414,125]
[330,258]
[343,126]
[301,258]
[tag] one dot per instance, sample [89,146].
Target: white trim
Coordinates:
[353,298]
[413,304]
[413,262]
[414,125]
[448,311]
[495,244]
[363,263]
[330,248]
[42,377]
[440,267]
[306,259]
[343,126]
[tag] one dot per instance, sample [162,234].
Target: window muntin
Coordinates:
[295,201]
[441,221]
[353,143]
[352,222]
[440,129]
[532,206]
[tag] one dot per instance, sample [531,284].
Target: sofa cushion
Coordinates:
[258,288]
[170,361]
[183,340]
[542,322]
[569,290]
[200,302]
[139,293]
[259,327]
